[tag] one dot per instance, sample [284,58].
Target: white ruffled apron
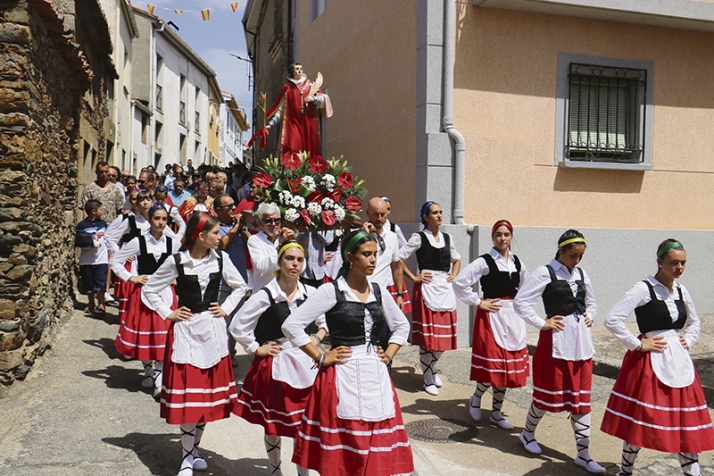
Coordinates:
[509,330]
[364,389]
[201,341]
[439,293]
[574,342]
[674,366]
[293,366]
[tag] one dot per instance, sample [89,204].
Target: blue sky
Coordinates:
[214,40]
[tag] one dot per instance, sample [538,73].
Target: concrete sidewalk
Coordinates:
[82,411]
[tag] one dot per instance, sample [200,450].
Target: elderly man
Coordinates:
[176,174]
[106,192]
[178,195]
[263,246]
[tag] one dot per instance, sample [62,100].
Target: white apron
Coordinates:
[574,342]
[293,366]
[364,389]
[674,366]
[509,330]
[201,341]
[439,293]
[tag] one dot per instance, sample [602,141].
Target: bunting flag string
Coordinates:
[205,12]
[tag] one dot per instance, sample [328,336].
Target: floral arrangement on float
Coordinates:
[312,193]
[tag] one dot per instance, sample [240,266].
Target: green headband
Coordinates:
[348,249]
[674,245]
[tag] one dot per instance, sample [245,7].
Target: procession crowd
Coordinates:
[198,265]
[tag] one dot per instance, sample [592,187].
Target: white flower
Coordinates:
[297,202]
[339,213]
[291,214]
[314,209]
[285,197]
[329,181]
[327,203]
[308,182]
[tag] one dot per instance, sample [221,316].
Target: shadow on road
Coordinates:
[107,346]
[161,454]
[116,376]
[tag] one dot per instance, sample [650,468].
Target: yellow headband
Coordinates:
[289,245]
[572,240]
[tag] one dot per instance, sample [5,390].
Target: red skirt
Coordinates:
[122,291]
[193,395]
[490,363]
[560,385]
[407,304]
[332,446]
[142,335]
[645,412]
[432,330]
[274,405]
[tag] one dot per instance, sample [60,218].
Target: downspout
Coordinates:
[458,212]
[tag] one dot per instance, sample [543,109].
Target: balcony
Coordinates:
[182,113]
[159,98]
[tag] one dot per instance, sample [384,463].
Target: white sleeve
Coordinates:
[396,320]
[318,303]
[116,263]
[590,303]
[262,262]
[400,236]
[528,294]
[637,296]
[246,319]
[234,280]
[113,235]
[693,325]
[176,217]
[455,256]
[470,275]
[410,248]
[160,280]
[321,321]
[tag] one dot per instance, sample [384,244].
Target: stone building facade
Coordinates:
[53,68]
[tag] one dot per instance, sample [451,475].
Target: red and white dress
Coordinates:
[198,383]
[563,360]
[658,401]
[388,253]
[434,303]
[142,332]
[352,423]
[275,389]
[499,354]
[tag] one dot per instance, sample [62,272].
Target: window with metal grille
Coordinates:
[605,114]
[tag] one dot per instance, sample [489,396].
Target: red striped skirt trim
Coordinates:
[432,330]
[143,333]
[407,308]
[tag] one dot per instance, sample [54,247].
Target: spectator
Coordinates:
[93,258]
[200,202]
[104,191]
[188,168]
[178,195]
[170,179]
[263,247]
[147,181]
[114,178]
[249,202]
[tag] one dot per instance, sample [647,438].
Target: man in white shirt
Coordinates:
[263,246]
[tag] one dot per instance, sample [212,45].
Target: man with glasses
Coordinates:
[171,178]
[179,194]
[104,191]
[263,246]
[114,178]
[147,181]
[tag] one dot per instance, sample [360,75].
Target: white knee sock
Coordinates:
[302,471]
[426,359]
[478,393]
[689,463]
[535,413]
[629,456]
[188,437]
[272,446]
[499,394]
[581,427]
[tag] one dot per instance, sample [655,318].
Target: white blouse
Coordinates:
[165,275]
[414,244]
[264,256]
[639,295]
[532,289]
[120,227]
[153,246]
[176,217]
[471,274]
[324,299]
[246,319]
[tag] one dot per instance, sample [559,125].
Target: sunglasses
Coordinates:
[272,221]
[141,181]
[382,244]
[231,206]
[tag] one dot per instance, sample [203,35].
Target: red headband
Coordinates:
[499,224]
[199,228]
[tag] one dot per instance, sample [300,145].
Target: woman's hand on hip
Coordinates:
[181,314]
[336,356]
[655,344]
[268,349]
[490,305]
[423,277]
[554,323]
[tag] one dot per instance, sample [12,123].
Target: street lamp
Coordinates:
[249,70]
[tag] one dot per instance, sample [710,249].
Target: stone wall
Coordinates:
[44,77]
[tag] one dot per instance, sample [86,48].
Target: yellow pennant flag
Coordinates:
[150,7]
[206,14]
[234,6]
[178,11]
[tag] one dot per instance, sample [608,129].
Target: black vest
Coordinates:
[558,298]
[346,319]
[497,283]
[188,289]
[655,316]
[146,262]
[270,322]
[133,230]
[435,259]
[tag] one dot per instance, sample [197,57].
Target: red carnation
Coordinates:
[263,180]
[335,195]
[328,217]
[344,180]
[353,203]
[305,216]
[315,197]
[318,165]
[291,160]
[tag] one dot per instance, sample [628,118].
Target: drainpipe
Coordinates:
[458,211]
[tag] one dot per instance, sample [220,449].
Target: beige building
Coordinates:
[587,114]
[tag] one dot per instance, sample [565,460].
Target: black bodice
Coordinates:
[558,298]
[655,316]
[434,259]
[146,261]
[133,232]
[270,322]
[346,319]
[188,288]
[498,284]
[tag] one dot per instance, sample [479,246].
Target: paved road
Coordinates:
[81,411]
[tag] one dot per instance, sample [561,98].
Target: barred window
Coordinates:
[606,114]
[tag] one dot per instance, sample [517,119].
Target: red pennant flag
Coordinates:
[178,11]
[206,14]
[234,6]
[150,7]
